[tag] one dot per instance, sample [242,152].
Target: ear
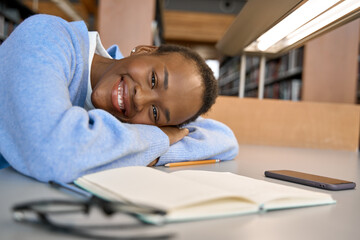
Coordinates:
[143,49]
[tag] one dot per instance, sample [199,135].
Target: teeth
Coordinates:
[120,96]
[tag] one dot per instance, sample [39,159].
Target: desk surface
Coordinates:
[339,221]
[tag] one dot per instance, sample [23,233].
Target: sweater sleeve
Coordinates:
[44,131]
[207,139]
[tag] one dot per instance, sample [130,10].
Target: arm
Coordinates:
[207,139]
[45,133]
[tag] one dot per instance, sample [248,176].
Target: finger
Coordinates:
[153,162]
[186,131]
[181,134]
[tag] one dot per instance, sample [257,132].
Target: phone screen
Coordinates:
[311,179]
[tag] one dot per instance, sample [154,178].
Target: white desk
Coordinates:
[339,221]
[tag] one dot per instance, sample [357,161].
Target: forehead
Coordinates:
[185,87]
[179,65]
[174,59]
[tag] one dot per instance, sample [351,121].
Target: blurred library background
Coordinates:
[325,68]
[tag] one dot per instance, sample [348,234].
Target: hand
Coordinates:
[175,134]
[153,162]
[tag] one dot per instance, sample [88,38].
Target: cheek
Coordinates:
[137,69]
[141,118]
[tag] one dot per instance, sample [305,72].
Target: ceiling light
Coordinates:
[309,18]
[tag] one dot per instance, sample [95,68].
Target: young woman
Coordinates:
[69,107]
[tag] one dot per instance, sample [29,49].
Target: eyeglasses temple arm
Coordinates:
[68,187]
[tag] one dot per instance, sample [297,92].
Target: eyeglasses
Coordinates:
[73,217]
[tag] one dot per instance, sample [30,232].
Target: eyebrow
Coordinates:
[167,115]
[166,78]
[166,84]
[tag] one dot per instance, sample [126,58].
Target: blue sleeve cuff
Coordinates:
[115,52]
[3,163]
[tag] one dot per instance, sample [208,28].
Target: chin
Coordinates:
[121,119]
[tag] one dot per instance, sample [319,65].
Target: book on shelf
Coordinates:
[252,93]
[252,62]
[284,65]
[285,90]
[228,81]
[194,195]
[295,89]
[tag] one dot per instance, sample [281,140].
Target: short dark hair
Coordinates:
[210,83]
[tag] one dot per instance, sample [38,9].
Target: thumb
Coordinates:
[185,131]
[182,132]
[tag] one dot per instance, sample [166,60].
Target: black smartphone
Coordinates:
[310,180]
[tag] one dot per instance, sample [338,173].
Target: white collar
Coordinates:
[95,46]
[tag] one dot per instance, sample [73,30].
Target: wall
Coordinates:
[330,66]
[126,23]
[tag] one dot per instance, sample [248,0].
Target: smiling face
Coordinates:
[150,89]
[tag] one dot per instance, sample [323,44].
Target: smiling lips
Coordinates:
[119,95]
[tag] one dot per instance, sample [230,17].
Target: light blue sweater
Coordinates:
[46,133]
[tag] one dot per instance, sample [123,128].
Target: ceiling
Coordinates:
[207,6]
[199,24]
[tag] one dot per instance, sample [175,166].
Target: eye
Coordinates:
[153,79]
[155,113]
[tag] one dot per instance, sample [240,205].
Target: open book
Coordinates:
[194,195]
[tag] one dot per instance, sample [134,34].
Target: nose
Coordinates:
[143,97]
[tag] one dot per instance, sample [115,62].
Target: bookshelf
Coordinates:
[229,76]
[12,13]
[282,76]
